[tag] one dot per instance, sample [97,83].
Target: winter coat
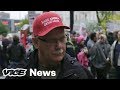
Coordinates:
[98,57]
[70,68]
[113,60]
[83,60]
[70,49]
[82,57]
[16,52]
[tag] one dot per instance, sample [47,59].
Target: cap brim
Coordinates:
[50,29]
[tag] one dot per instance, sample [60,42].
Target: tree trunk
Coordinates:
[98,18]
[71,20]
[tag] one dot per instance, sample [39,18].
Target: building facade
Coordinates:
[85,16]
[4,15]
[79,17]
[11,24]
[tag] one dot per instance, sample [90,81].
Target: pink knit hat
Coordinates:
[80,39]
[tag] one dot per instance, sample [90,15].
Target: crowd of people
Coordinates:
[70,54]
[13,51]
[99,54]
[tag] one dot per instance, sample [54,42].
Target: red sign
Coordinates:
[24,38]
[5,22]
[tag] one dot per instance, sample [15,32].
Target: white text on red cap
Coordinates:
[50,20]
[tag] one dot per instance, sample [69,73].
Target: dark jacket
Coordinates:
[5,43]
[114,55]
[16,52]
[70,68]
[70,49]
[1,56]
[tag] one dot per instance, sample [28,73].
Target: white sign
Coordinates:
[31,15]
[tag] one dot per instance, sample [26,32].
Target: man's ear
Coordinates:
[35,42]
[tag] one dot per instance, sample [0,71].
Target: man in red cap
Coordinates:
[50,50]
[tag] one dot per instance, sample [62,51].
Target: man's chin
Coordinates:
[58,59]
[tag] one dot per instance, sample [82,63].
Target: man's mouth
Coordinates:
[58,52]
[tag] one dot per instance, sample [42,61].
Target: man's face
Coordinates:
[82,42]
[95,38]
[52,46]
[118,35]
[102,40]
[72,37]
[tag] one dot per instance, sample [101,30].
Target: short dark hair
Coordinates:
[73,32]
[92,35]
[15,38]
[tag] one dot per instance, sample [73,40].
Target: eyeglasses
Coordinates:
[54,41]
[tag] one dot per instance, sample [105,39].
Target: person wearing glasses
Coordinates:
[49,40]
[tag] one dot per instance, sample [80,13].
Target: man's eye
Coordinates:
[51,41]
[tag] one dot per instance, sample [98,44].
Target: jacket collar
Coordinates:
[66,64]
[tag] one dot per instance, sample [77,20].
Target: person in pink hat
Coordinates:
[80,39]
[83,52]
[50,50]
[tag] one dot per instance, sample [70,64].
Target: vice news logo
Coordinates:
[14,72]
[19,72]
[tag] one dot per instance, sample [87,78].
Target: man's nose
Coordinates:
[59,43]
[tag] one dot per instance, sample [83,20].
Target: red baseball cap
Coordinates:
[46,22]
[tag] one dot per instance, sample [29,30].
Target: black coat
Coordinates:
[70,68]
[70,49]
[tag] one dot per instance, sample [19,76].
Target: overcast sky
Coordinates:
[17,14]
